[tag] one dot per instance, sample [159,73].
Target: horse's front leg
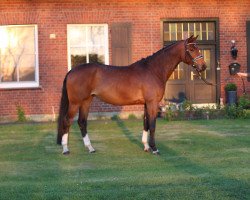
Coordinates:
[152,114]
[145,130]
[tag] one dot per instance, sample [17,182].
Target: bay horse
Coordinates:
[142,82]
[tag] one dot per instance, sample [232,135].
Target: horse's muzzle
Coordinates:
[201,68]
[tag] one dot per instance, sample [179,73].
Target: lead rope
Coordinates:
[204,80]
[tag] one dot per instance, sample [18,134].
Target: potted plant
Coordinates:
[231,93]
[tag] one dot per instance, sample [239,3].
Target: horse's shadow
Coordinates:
[167,154]
[185,165]
[131,137]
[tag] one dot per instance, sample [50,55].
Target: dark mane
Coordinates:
[145,60]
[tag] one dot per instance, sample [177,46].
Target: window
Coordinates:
[18,56]
[173,31]
[87,44]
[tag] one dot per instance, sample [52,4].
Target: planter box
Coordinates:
[231,97]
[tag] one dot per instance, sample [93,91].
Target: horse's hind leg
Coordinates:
[82,122]
[66,125]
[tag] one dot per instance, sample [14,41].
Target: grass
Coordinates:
[199,160]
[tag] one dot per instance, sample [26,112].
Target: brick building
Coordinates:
[41,40]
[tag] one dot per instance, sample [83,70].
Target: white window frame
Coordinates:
[25,84]
[106,42]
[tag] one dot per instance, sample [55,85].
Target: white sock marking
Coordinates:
[65,139]
[87,143]
[86,140]
[145,140]
[65,142]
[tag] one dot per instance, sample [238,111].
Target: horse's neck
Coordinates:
[165,62]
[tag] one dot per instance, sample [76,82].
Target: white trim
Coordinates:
[25,84]
[17,85]
[106,42]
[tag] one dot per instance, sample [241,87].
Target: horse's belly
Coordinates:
[121,97]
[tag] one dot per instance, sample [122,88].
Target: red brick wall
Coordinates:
[145,16]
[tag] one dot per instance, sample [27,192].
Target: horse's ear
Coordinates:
[192,39]
[196,37]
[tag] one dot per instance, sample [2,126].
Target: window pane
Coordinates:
[27,68]
[77,36]
[25,37]
[211,31]
[204,31]
[185,30]
[207,58]
[8,69]
[96,54]
[198,30]
[166,32]
[178,73]
[95,35]
[78,56]
[179,31]
[173,31]
[166,36]
[166,27]
[191,29]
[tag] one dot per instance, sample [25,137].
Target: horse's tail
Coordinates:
[64,106]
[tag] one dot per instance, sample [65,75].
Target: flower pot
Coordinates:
[231,97]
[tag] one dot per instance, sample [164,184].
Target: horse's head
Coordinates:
[192,54]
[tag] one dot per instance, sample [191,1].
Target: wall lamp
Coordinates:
[234,50]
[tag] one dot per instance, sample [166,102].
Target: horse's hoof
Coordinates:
[157,153]
[66,153]
[147,150]
[92,151]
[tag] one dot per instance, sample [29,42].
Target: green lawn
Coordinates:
[199,160]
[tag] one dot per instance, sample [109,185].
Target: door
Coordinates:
[184,84]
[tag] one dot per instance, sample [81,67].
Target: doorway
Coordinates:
[183,83]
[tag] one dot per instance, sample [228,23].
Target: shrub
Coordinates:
[244,101]
[169,115]
[132,117]
[115,117]
[187,105]
[233,111]
[196,113]
[231,87]
[21,114]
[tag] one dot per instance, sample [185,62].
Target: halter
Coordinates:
[194,60]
